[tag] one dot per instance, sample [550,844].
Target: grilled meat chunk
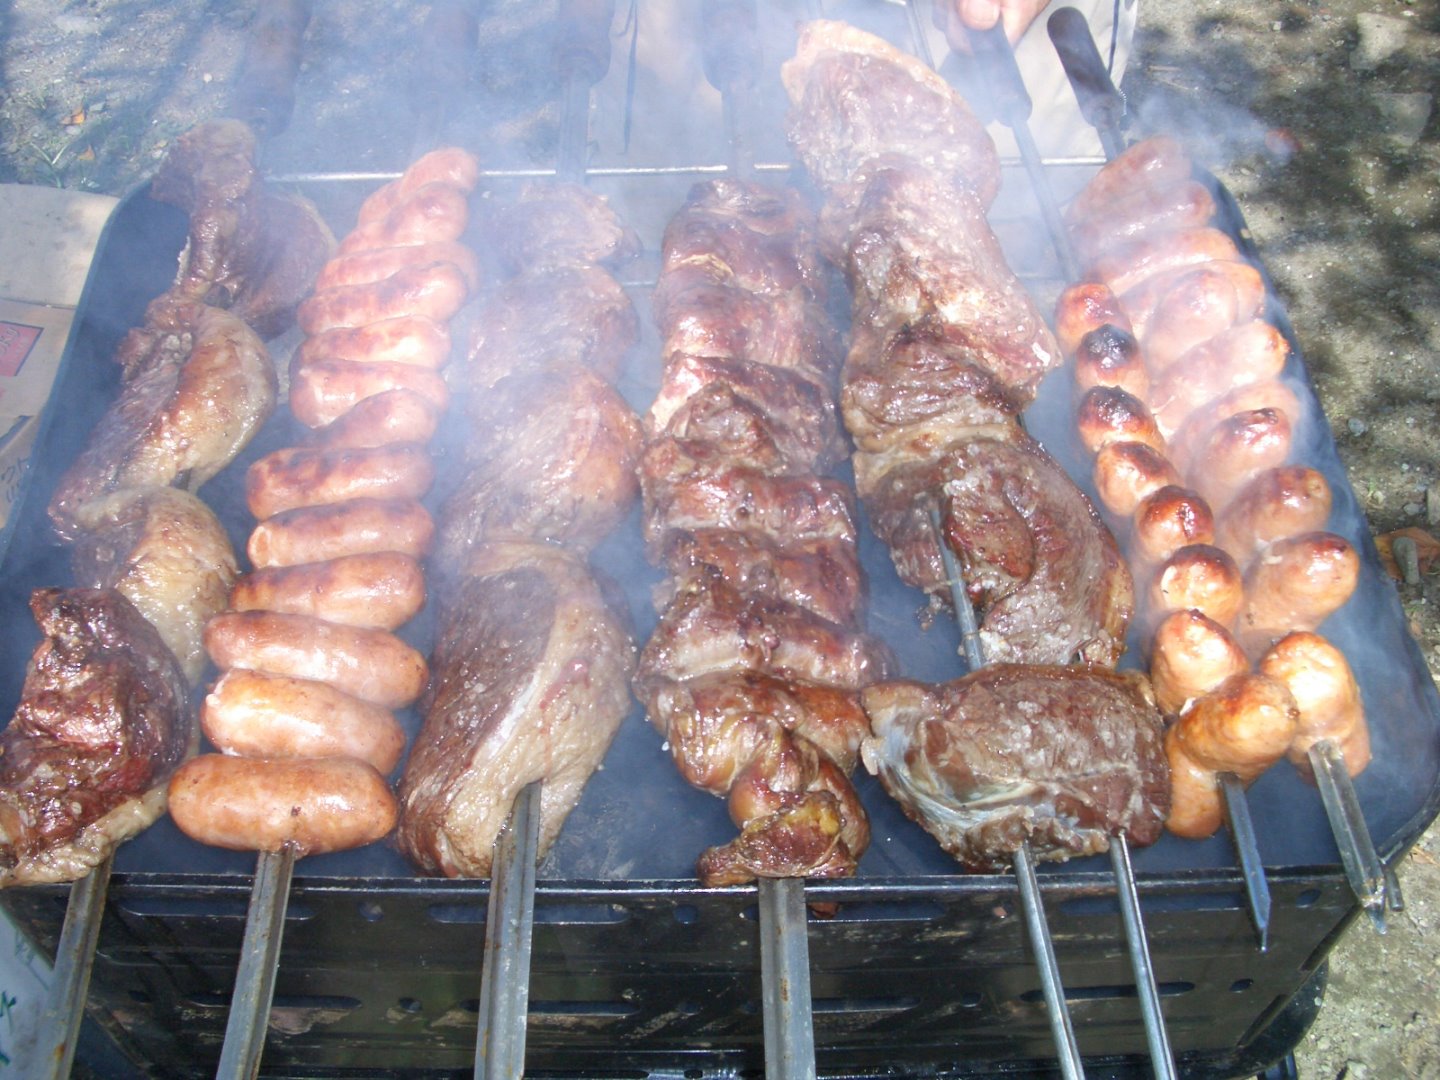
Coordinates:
[251,251]
[529,682]
[103,720]
[552,458]
[854,97]
[551,224]
[1046,576]
[164,551]
[1064,757]
[197,385]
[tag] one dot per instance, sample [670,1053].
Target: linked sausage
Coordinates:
[316,533]
[1243,726]
[1132,214]
[434,290]
[391,416]
[1110,356]
[449,166]
[1191,654]
[1249,353]
[1268,394]
[1167,520]
[377,264]
[1083,308]
[407,339]
[324,391]
[1155,164]
[1279,502]
[1126,472]
[373,665]
[256,715]
[260,804]
[1201,304]
[1108,414]
[1126,265]
[318,476]
[1325,692]
[1237,450]
[382,589]
[1199,577]
[1141,302]
[1296,584]
[431,213]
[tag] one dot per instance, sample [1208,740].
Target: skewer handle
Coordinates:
[259,959]
[1363,868]
[74,956]
[1161,1059]
[1101,104]
[509,931]
[265,88]
[785,980]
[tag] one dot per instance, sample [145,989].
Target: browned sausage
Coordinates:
[253,715]
[1126,472]
[1242,726]
[1126,265]
[1249,353]
[1167,520]
[1268,394]
[1108,414]
[259,804]
[1199,577]
[1083,308]
[1201,304]
[317,476]
[376,264]
[382,589]
[1139,211]
[373,665]
[1141,302]
[317,533]
[1155,164]
[408,339]
[1190,656]
[392,416]
[1109,356]
[434,290]
[448,165]
[431,213]
[1237,450]
[1296,584]
[1280,502]
[1325,692]
[323,392]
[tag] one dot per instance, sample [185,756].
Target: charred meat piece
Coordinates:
[1062,757]
[781,752]
[550,224]
[551,317]
[919,248]
[855,97]
[103,720]
[197,385]
[553,457]
[252,251]
[1046,576]
[530,680]
[164,551]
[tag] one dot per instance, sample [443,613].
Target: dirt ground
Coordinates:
[1318,116]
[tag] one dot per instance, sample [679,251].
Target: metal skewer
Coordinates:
[1372,882]
[259,961]
[70,979]
[731,58]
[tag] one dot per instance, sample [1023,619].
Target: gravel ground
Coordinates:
[1316,115]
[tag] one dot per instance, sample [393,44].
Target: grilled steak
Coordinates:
[103,720]
[1062,757]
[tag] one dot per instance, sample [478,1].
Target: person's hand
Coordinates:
[955,16]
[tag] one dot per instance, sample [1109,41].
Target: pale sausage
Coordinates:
[318,476]
[383,590]
[314,534]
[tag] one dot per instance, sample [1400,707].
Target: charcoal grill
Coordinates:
[636,970]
